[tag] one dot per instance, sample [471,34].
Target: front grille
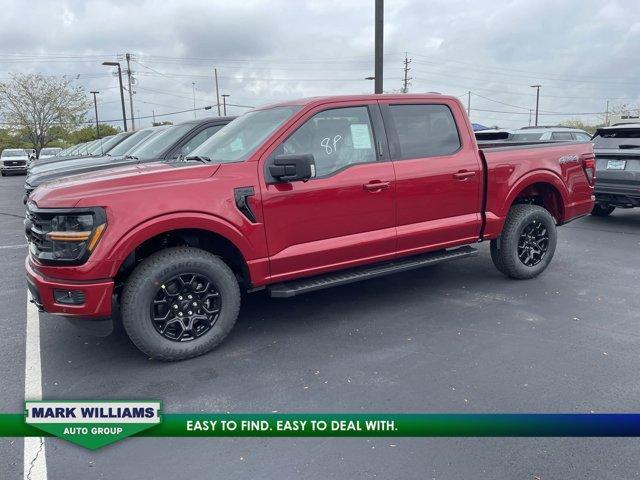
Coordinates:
[37,225]
[14,163]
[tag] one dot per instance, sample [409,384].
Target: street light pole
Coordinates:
[124,114]
[215,73]
[224,102]
[537,87]
[95,106]
[379,37]
[133,122]
[193,84]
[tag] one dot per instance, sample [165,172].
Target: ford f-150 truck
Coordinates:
[294,197]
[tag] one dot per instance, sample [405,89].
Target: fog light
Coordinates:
[68,297]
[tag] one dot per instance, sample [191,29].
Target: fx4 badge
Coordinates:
[568,159]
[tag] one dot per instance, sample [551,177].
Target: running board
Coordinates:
[304,285]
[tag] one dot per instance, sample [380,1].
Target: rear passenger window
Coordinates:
[424,130]
[562,136]
[336,138]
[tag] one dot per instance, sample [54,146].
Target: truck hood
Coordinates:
[68,164]
[81,189]
[36,178]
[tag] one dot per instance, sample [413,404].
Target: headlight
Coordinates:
[64,236]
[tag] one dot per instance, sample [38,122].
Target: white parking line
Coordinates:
[35,462]
[13,246]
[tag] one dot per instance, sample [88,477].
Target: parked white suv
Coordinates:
[13,160]
[549,134]
[49,152]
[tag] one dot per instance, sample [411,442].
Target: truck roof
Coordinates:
[346,98]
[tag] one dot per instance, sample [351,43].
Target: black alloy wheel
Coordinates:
[185,307]
[533,243]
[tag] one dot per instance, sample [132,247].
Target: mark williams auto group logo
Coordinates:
[92,424]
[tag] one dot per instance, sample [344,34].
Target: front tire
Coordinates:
[527,242]
[600,210]
[180,303]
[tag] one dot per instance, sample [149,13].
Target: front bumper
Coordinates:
[97,295]
[14,168]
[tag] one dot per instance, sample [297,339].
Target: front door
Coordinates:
[345,214]
[438,175]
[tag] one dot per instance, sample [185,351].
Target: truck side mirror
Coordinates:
[289,168]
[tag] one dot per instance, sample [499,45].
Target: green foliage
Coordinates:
[34,104]
[87,134]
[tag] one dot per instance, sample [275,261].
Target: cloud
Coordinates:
[582,52]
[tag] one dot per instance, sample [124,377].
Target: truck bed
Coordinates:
[510,167]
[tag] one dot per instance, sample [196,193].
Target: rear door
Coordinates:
[345,214]
[438,175]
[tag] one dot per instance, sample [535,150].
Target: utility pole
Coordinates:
[379,50]
[530,112]
[224,102]
[215,73]
[469,103]
[405,82]
[133,122]
[153,114]
[606,115]
[193,84]
[537,87]
[95,106]
[124,113]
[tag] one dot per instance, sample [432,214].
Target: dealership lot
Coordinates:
[455,337]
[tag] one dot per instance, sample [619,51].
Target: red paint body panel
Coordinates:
[325,224]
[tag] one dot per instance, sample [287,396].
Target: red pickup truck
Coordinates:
[294,197]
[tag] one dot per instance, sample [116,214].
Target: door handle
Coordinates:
[463,175]
[376,185]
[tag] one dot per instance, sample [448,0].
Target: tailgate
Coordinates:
[618,170]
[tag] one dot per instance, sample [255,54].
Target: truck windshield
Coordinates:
[617,138]
[130,142]
[155,145]
[105,144]
[239,139]
[14,153]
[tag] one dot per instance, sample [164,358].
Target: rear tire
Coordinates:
[158,282]
[600,210]
[527,242]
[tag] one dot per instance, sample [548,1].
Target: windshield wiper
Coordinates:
[628,146]
[133,157]
[199,158]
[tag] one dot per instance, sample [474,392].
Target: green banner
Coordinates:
[101,423]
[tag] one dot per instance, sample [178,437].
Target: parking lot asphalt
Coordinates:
[458,337]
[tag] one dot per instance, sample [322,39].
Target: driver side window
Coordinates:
[336,138]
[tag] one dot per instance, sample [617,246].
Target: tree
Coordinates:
[581,125]
[36,104]
[87,134]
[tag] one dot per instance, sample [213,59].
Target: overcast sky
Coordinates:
[582,52]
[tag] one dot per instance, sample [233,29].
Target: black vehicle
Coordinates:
[96,148]
[170,143]
[617,150]
[121,149]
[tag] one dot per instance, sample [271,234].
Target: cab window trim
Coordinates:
[379,147]
[395,151]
